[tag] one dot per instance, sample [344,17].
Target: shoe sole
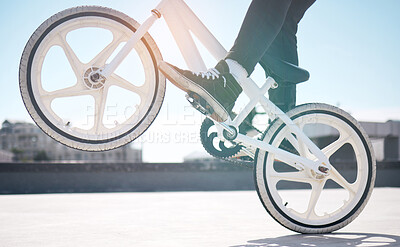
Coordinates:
[185,84]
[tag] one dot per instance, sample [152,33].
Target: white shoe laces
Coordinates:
[211,73]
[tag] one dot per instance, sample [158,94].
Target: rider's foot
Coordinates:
[217,86]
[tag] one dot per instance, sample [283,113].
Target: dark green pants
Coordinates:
[270,27]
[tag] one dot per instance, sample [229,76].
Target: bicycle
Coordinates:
[285,153]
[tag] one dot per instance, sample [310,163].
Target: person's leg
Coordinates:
[218,89]
[285,48]
[261,25]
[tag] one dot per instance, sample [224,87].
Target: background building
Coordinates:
[28,143]
[385,139]
[6,156]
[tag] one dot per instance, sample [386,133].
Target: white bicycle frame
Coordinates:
[181,20]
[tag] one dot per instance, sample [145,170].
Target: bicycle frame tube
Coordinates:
[272,110]
[140,32]
[293,160]
[287,157]
[181,21]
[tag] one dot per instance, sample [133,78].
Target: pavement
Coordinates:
[234,218]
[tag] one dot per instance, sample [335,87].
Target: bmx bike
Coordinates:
[285,153]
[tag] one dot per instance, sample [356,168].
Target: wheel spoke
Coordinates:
[73,60]
[76,90]
[339,179]
[292,176]
[121,82]
[100,59]
[100,105]
[317,187]
[335,146]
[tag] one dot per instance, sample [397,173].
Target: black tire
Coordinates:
[277,208]
[54,130]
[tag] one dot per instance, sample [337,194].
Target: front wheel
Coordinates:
[303,201]
[65,96]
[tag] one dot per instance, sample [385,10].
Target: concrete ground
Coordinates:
[178,219]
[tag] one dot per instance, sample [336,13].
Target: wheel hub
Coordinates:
[315,175]
[93,79]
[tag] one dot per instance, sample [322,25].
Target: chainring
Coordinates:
[224,150]
[213,145]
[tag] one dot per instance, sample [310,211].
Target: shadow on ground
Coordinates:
[333,239]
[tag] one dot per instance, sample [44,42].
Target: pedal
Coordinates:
[199,104]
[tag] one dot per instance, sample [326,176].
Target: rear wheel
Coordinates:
[64,95]
[319,204]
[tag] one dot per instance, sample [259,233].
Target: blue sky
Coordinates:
[350,48]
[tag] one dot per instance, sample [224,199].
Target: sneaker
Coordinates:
[217,88]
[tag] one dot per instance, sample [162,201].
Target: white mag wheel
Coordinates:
[323,204]
[64,97]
